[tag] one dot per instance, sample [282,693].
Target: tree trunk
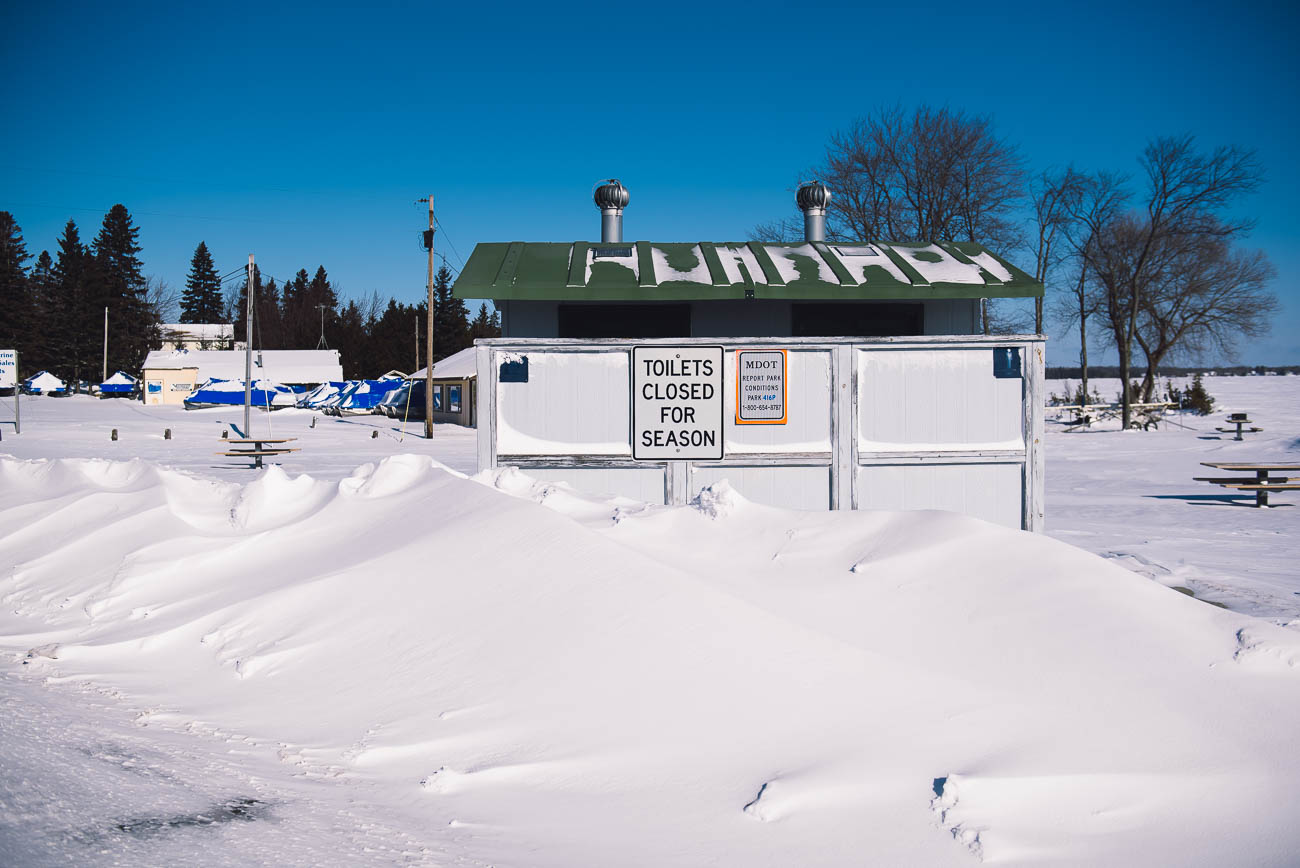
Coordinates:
[1038,315]
[1083,353]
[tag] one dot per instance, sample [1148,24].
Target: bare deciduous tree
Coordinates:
[928,175]
[1054,196]
[1207,297]
[1129,252]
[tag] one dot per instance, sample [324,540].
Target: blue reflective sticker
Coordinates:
[1006,363]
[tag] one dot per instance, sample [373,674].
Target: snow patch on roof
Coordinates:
[783,258]
[665,272]
[945,270]
[631,263]
[732,255]
[986,261]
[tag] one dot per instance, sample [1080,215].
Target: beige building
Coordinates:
[170,376]
[454,380]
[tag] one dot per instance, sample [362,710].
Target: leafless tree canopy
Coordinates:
[1167,276]
[925,175]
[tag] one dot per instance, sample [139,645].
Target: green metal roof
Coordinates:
[648,271]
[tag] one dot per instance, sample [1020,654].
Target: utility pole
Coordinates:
[428,331]
[248,350]
[417,342]
[105,377]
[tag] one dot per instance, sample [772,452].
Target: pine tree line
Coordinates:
[54,314]
[371,335]
[53,311]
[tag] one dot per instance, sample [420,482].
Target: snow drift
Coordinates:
[548,679]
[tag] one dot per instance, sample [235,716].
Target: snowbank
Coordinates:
[552,680]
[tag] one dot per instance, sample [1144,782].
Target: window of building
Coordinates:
[625,320]
[453,398]
[836,320]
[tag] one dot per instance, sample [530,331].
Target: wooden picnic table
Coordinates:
[1240,420]
[1085,414]
[1262,484]
[259,450]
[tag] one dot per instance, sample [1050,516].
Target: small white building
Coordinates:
[171,375]
[198,336]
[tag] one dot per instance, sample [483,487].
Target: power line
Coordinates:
[450,244]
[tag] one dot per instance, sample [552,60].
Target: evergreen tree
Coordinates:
[293,309]
[450,318]
[350,339]
[320,293]
[485,325]
[239,316]
[15,294]
[268,325]
[73,327]
[43,322]
[120,286]
[201,301]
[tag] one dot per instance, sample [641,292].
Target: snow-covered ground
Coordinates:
[366,657]
[1131,497]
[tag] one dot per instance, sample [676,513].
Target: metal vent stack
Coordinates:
[611,198]
[813,199]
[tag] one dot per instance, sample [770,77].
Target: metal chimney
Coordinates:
[611,198]
[814,198]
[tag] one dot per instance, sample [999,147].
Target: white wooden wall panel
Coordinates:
[789,487]
[644,484]
[941,399]
[808,413]
[572,404]
[992,492]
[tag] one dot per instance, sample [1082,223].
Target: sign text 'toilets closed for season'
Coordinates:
[677,403]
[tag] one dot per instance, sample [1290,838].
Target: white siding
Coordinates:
[789,487]
[645,484]
[808,408]
[992,492]
[573,403]
[942,399]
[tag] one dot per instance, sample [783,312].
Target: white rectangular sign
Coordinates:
[677,403]
[760,387]
[8,369]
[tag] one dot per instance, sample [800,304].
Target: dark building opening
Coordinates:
[625,320]
[831,320]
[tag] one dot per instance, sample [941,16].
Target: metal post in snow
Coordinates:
[18,392]
[248,350]
[428,354]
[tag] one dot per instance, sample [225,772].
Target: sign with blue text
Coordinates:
[8,369]
[677,403]
[760,387]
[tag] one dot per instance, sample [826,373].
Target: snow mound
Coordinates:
[575,681]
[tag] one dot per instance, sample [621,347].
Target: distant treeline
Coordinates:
[1112,371]
[53,310]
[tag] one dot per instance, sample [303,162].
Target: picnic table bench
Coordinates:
[1262,484]
[1085,414]
[1240,420]
[258,450]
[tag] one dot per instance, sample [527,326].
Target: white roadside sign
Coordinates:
[8,369]
[760,387]
[677,408]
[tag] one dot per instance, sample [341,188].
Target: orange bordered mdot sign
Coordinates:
[761,387]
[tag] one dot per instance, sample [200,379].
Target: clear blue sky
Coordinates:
[304,133]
